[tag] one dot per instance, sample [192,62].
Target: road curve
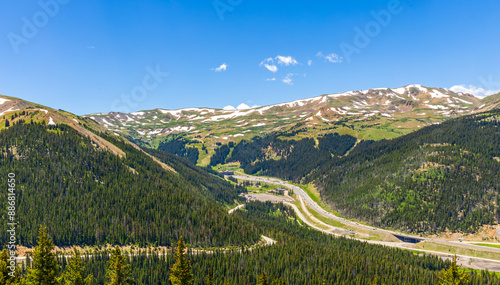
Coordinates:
[235,208]
[300,192]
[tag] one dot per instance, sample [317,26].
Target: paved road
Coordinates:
[235,208]
[300,192]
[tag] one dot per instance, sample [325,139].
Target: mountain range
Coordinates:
[374,114]
[91,186]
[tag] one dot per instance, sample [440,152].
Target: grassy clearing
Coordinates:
[235,167]
[488,245]
[310,190]
[471,270]
[458,250]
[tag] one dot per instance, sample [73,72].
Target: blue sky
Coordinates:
[100,56]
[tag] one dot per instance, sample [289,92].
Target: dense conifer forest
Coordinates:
[279,155]
[202,179]
[301,256]
[87,195]
[179,147]
[440,177]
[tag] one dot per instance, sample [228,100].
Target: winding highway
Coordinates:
[301,193]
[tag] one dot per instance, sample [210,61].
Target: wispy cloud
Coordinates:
[271,79]
[271,64]
[286,60]
[222,67]
[332,57]
[271,67]
[309,62]
[268,63]
[476,91]
[288,79]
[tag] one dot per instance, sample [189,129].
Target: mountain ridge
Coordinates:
[373,114]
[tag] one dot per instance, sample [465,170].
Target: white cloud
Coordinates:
[333,57]
[222,67]
[229,108]
[288,79]
[243,106]
[476,91]
[269,64]
[271,67]
[309,62]
[271,79]
[286,60]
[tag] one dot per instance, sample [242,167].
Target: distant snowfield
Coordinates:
[437,94]
[51,121]
[402,90]
[3,100]
[11,109]
[463,101]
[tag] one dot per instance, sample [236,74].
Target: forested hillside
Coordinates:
[280,155]
[179,147]
[203,180]
[440,177]
[301,256]
[88,195]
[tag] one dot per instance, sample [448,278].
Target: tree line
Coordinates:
[301,256]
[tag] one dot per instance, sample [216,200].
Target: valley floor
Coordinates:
[470,254]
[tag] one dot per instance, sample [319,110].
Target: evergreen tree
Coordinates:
[181,271]
[74,271]
[5,278]
[209,279]
[454,275]
[7,123]
[45,268]
[375,280]
[119,270]
[263,279]
[280,281]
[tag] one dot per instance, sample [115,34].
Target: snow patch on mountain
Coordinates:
[176,113]
[229,116]
[11,109]
[402,90]
[437,94]
[106,123]
[463,101]
[437,107]
[3,100]
[259,125]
